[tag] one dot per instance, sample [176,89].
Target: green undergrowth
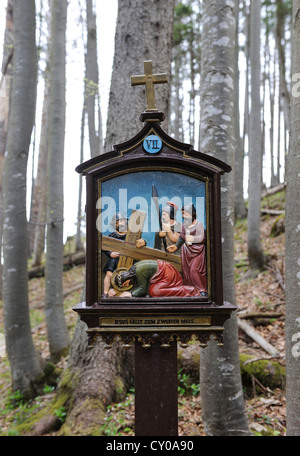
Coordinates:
[186,387]
[119,418]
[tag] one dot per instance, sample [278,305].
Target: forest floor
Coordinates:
[255,293]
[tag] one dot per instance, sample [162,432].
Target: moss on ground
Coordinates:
[269,373]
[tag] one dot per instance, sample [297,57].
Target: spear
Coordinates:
[155,199]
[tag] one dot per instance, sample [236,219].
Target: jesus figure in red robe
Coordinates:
[153,278]
[192,244]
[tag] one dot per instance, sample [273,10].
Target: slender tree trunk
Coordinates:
[39,228]
[192,90]
[240,207]
[246,95]
[272,89]
[177,99]
[5,89]
[292,229]
[255,253]
[38,216]
[92,83]
[263,126]
[79,207]
[284,97]
[24,361]
[220,380]
[278,145]
[58,335]
[5,82]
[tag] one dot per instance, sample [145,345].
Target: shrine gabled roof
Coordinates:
[171,148]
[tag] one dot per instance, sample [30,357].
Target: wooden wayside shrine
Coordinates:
[154,256]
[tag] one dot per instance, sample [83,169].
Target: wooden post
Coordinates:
[156,397]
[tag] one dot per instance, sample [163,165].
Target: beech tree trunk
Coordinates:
[38,218]
[78,242]
[5,89]
[58,335]
[92,84]
[24,360]
[39,191]
[292,229]
[177,127]
[280,43]
[240,207]
[144,32]
[255,253]
[220,380]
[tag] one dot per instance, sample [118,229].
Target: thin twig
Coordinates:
[259,358]
[274,296]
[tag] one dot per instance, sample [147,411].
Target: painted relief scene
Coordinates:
[153,236]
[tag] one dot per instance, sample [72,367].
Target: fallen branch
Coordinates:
[69,260]
[259,358]
[240,262]
[267,403]
[275,296]
[271,212]
[273,190]
[278,275]
[254,380]
[75,288]
[252,315]
[257,338]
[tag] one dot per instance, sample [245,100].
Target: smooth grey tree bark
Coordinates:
[220,381]
[176,102]
[58,335]
[240,206]
[24,360]
[38,215]
[5,89]
[40,186]
[92,96]
[78,241]
[281,12]
[255,253]
[292,230]
[143,33]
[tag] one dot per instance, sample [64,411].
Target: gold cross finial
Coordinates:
[149,79]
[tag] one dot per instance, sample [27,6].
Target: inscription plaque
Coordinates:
[163,321]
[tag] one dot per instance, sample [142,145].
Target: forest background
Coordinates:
[106,22]
[258,78]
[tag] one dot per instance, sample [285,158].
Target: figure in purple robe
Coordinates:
[192,244]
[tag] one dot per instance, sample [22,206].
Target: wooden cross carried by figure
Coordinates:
[130,251]
[135,227]
[149,79]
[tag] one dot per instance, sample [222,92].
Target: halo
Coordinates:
[114,285]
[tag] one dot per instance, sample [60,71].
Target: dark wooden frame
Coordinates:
[129,157]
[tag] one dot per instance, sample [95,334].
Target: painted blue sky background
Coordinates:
[134,191]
